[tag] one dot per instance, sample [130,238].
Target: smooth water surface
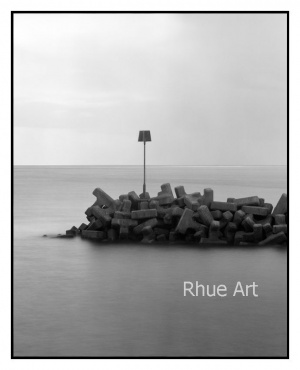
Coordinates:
[80,298]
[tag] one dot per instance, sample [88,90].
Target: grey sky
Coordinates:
[210,87]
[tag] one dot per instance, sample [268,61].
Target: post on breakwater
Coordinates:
[144,136]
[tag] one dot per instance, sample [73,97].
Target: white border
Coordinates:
[293,6]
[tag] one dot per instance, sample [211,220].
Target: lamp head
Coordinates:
[144,136]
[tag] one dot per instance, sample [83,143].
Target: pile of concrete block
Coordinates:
[184,217]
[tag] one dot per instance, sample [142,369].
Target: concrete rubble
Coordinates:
[184,217]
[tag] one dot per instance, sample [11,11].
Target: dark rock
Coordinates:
[248,201]
[274,239]
[112,235]
[92,234]
[223,206]
[186,222]
[217,215]
[83,226]
[279,219]
[259,211]
[179,191]
[281,206]
[238,217]
[124,232]
[205,216]
[280,228]
[147,213]
[152,223]
[148,235]
[117,223]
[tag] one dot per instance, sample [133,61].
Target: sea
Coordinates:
[81,298]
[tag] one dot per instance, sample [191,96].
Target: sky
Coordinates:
[211,88]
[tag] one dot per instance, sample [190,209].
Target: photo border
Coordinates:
[12,189]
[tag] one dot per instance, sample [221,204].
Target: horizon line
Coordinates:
[154,165]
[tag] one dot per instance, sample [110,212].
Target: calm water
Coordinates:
[78,298]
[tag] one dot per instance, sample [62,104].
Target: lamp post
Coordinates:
[144,136]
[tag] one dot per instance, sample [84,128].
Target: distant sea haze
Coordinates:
[79,298]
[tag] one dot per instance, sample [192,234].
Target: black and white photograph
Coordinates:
[150,212]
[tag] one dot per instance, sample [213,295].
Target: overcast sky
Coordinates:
[210,87]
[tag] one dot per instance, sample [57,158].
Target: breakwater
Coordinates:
[184,217]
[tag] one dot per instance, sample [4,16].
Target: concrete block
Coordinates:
[103,199]
[172,236]
[180,202]
[238,237]
[92,234]
[177,211]
[100,214]
[161,224]
[191,200]
[268,220]
[124,233]
[261,202]
[274,239]
[267,229]
[95,225]
[134,198]
[121,215]
[74,228]
[257,233]
[205,216]
[213,237]
[123,197]
[144,205]
[148,235]
[88,212]
[146,213]
[112,235]
[226,217]
[166,188]
[217,215]
[186,222]
[160,231]
[208,197]
[238,217]
[188,238]
[248,201]
[117,223]
[179,191]
[279,219]
[281,206]
[152,223]
[91,218]
[83,226]
[278,228]
[168,219]
[126,206]
[248,237]
[161,237]
[117,205]
[229,232]
[145,196]
[223,206]
[71,232]
[269,206]
[203,233]
[161,212]
[248,224]
[154,204]
[164,199]
[258,211]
